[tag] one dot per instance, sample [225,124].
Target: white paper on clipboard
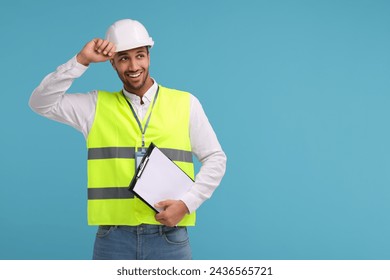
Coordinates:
[159,179]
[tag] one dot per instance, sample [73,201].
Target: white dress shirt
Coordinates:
[50,100]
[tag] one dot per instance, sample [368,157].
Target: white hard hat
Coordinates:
[128,34]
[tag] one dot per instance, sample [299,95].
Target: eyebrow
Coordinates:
[121,53]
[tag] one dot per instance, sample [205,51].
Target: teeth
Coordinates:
[134,75]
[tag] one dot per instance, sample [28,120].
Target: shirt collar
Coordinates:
[148,96]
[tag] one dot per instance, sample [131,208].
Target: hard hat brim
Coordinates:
[125,47]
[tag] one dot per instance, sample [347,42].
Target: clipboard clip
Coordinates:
[142,167]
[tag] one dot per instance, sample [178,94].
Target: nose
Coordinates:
[132,65]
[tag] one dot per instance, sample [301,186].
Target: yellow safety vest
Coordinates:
[112,142]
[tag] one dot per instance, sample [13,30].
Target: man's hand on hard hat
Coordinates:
[174,211]
[97,50]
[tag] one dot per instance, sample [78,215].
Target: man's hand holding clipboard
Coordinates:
[174,211]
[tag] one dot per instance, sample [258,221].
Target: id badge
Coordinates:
[138,157]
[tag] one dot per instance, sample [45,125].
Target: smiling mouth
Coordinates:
[134,75]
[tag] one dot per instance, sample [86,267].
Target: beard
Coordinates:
[134,87]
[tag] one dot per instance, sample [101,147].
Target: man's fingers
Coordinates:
[160,217]
[163,219]
[98,42]
[174,211]
[96,50]
[110,49]
[104,46]
[163,204]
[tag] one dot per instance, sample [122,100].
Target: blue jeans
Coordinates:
[144,242]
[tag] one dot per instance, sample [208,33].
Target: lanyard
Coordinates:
[143,130]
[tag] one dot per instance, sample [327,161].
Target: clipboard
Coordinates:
[158,178]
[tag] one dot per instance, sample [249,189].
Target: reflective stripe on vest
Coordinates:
[112,142]
[125,152]
[129,152]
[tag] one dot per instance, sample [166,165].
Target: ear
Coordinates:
[113,64]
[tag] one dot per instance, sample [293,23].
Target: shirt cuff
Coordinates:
[72,68]
[78,67]
[192,201]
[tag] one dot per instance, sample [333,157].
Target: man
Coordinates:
[118,127]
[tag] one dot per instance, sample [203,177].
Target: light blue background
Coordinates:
[297,92]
